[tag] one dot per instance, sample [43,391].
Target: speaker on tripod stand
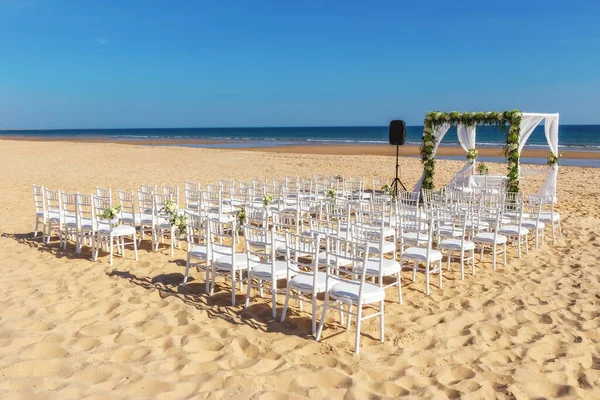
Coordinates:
[397,137]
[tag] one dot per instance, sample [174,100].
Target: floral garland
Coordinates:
[472,155]
[512,119]
[553,159]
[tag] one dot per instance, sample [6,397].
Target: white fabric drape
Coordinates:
[548,188]
[466,138]
[438,134]
[528,124]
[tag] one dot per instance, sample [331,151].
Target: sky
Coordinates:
[255,63]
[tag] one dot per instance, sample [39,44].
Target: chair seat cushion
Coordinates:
[389,267]
[420,253]
[121,230]
[456,244]
[263,270]
[532,224]
[199,251]
[450,231]
[240,261]
[349,292]
[418,238]
[304,282]
[344,262]
[549,216]
[387,247]
[488,237]
[512,230]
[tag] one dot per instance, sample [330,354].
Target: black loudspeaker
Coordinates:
[397,132]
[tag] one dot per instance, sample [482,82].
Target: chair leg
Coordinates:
[274,297]
[233,273]
[323,316]
[358,321]
[381,321]
[440,273]
[427,277]
[111,247]
[285,304]
[248,287]
[314,314]
[37,222]
[135,246]
[400,286]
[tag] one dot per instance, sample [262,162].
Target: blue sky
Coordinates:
[120,64]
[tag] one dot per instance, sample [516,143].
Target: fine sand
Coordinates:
[73,328]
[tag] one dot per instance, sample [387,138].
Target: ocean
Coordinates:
[575,137]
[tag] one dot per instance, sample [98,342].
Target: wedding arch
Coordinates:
[518,127]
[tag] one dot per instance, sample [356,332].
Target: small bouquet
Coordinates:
[482,168]
[387,189]
[241,219]
[472,155]
[180,223]
[175,219]
[111,214]
[553,159]
[330,193]
[267,199]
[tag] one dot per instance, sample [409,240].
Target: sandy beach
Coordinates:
[71,328]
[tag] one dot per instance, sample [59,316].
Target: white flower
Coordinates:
[429,143]
[428,180]
[430,156]
[499,116]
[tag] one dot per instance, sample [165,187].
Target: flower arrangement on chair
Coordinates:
[111,214]
[176,220]
[330,193]
[482,168]
[472,155]
[267,199]
[241,219]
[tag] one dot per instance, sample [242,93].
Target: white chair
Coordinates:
[105,193]
[53,208]
[303,277]
[111,236]
[173,193]
[160,222]
[533,223]
[192,186]
[350,292]
[413,228]
[425,255]
[379,245]
[285,221]
[263,265]
[148,188]
[68,217]
[41,215]
[465,248]
[198,247]
[85,216]
[146,210]
[128,212]
[548,215]
[491,239]
[225,261]
[515,231]
[193,200]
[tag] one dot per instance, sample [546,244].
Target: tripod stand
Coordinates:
[397,180]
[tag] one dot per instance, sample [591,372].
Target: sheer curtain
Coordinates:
[438,134]
[548,188]
[466,138]
[528,124]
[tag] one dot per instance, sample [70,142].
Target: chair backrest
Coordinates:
[412,222]
[100,204]
[408,198]
[105,192]
[69,204]
[39,199]
[193,186]
[172,192]
[53,202]
[260,247]
[148,188]
[127,203]
[193,199]
[257,216]
[212,202]
[145,202]
[323,226]
[346,259]
[311,208]
[85,211]
[285,221]
[375,237]
[196,229]
[221,237]
[159,202]
[302,255]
